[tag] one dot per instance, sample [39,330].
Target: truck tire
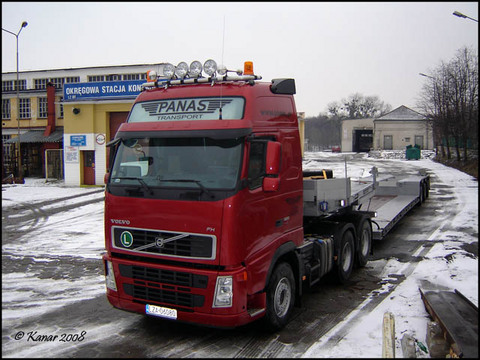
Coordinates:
[364,233]
[345,257]
[280,296]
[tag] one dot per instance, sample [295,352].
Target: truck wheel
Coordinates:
[345,257]
[364,242]
[280,296]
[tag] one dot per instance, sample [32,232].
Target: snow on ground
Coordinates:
[61,228]
[445,264]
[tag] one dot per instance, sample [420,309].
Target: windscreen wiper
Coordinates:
[143,183]
[198,182]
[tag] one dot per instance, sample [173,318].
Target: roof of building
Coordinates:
[36,136]
[402,113]
[110,67]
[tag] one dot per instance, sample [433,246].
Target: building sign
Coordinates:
[102,90]
[78,140]
[71,154]
[208,108]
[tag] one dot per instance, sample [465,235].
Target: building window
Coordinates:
[57,82]
[95,78]
[113,77]
[61,107]
[134,76]
[41,84]
[42,108]
[22,84]
[72,79]
[131,76]
[6,109]
[7,85]
[25,109]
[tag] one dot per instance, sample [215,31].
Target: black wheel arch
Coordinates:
[286,253]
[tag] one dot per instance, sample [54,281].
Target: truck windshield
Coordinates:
[204,164]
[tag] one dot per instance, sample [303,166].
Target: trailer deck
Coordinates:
[390,197]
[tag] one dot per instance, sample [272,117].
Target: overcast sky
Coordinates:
[331,49]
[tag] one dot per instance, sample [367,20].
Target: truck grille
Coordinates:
[177,278]
[162,296]
[183,245]
[163,286]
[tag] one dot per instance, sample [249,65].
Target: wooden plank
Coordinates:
[458,318]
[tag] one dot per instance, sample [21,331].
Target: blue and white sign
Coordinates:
[102,90]
[78,140]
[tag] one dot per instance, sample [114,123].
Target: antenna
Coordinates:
[220,117]
[223,40]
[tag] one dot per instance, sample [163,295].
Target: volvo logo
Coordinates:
[159,242]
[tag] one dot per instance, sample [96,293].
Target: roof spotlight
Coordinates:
[195,69]
[210,67]
[168,70]
[181,70]
[222,70]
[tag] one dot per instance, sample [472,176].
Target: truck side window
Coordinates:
[256,164]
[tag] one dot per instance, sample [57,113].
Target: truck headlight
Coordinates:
[110,277]
[223,292]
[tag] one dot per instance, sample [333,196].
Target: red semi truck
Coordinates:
[209,218]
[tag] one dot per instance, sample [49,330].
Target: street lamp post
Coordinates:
[434,101]
[459,14]
[20,169]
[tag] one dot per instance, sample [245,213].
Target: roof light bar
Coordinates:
[184,74]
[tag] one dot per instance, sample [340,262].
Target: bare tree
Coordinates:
[450,101]
[358,106]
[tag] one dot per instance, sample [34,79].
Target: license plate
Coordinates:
[161,311]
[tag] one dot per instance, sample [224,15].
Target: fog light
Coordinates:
[168,70]
[110,277]
[181,70]
[195,69]
[210,67]
[223,292]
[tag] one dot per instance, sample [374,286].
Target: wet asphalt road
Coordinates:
[102,331]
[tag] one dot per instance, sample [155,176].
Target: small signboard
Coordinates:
[78,140]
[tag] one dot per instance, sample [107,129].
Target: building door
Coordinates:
[419,141]
[388,142]
[88,167]
[362,140]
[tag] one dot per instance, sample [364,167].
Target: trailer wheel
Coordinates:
[345,257]
[425,190]
[422,193]
[364,242]
[280,296]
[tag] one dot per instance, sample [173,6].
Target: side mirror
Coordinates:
[272,161]
[105,177]
[271,181]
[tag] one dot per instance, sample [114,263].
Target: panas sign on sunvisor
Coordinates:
[188,109]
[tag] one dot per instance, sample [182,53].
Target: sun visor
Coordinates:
[283,86]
